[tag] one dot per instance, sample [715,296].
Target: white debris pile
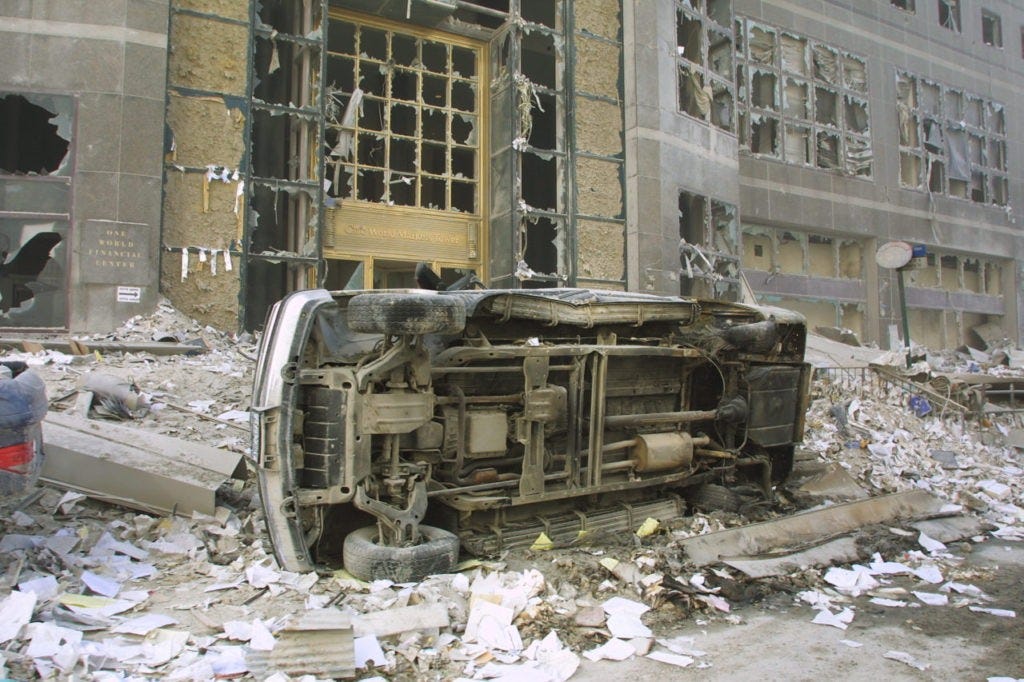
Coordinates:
[94,591]
[880,439]
[203,396]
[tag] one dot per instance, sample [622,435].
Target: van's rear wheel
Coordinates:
[711,497]
[367,559]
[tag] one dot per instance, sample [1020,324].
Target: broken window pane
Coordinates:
[907,5]
[798,145]
[825,106]
[541,245]
[825,64]
[858,155]
[764,90]
[720,55]
[29,195]
[762,45]
[794,54]
[722,106]
[720,12]
[855,74]
[797,103]
[828,150]
[33,272]
[910,170]
[764,134]
[689,35]
[856,114]
[36,134]
[693,99]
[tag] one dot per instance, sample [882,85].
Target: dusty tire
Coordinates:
[438,552]
[406,314]
[710,497]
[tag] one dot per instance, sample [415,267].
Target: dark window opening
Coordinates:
[688,38]
[544,129]
[764,135]
[542,12]
[907,5]
[720,11]
[936,177]
[541,251]
[540,63]
[540,182]
[692,218]
[30,142]
[991,29]
[949,14]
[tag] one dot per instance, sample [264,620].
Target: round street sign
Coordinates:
[893,255]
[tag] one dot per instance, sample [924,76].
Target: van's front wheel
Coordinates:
[367,559]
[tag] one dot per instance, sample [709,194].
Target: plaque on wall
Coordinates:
[111,252]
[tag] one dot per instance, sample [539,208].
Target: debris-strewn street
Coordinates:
[928,588]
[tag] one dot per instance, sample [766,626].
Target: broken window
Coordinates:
[709,241]
[705,49]
[949,14]
[33,144]
[953,140]
[820,91]
[991,29]
[906,5]
[35,204]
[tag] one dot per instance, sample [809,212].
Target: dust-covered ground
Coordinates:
[96,591]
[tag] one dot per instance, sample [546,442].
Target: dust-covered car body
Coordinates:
[23,405]
[380,416]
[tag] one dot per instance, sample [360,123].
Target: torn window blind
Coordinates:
[855,75]
[825,64]
[762,45]
[858,155]
[828,150]
[956,151]
[794,54]
[933,136]
[795,99]
[694,99]
[908,123]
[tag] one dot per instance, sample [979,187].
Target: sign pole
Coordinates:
[903,313]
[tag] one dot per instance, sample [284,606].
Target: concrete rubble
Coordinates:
[97,591]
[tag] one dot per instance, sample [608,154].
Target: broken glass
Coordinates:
[33,267]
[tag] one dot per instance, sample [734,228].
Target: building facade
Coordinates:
[225,152]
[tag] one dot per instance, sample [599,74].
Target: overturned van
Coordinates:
[393,427]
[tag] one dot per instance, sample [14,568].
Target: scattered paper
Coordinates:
[368,651]
[837,620]
[671,659]
[15,613]
[144,624]
[1002,613]
[906,658]
[613,650]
